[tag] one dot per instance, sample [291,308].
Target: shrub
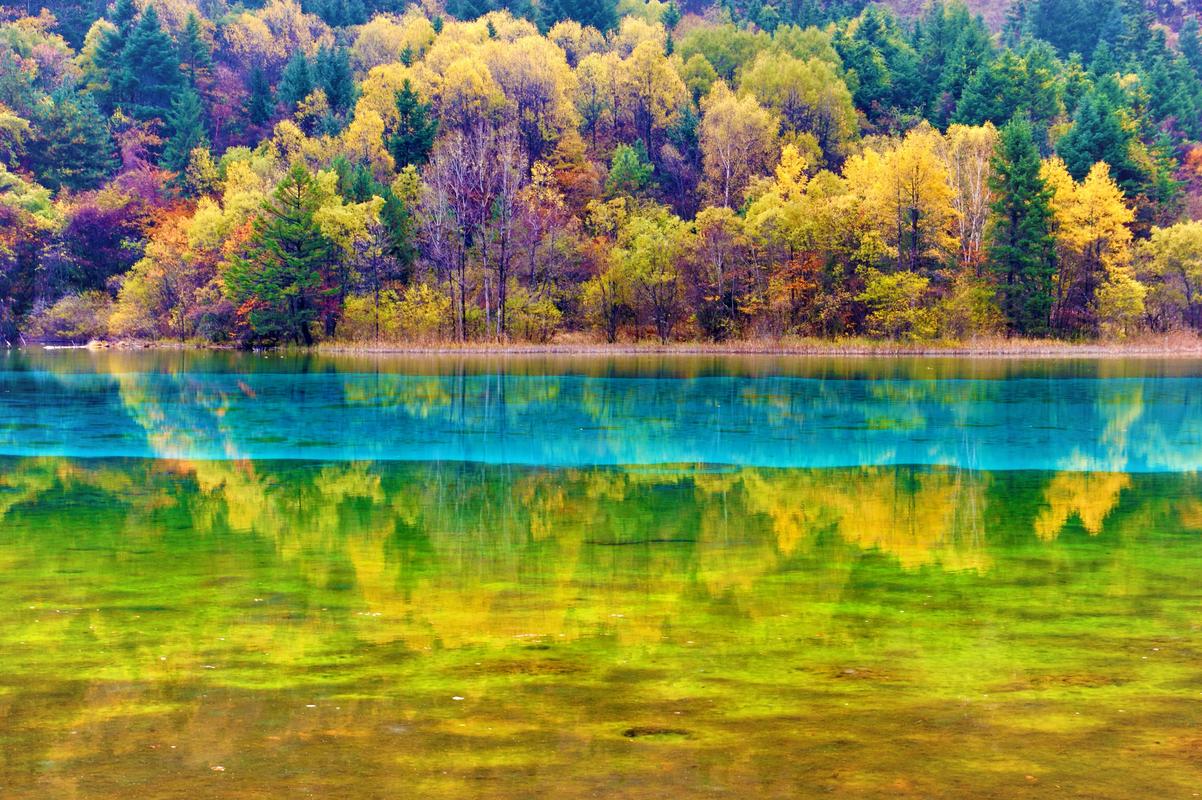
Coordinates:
[76,319]
[420,313]
[899,305]
[535,319]
[970,310]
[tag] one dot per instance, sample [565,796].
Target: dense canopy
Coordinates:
[285,171]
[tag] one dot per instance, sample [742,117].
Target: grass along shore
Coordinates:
[1174,345]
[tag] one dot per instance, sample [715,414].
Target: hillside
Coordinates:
[994,11]
[586,170]
[1171,13]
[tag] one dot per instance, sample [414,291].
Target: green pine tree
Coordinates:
[71,147]
[1172,93]
[194,53]
[297,81]
[629,171]
[260,104]
[1022,253]
[402,232]
[186,125]
[335,77]
[1098,135]
[416,128]
[110,48]
[1137,24]
[600,14]
[1190,44]
[149,74]
[277,281]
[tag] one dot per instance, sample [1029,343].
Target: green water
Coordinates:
[243,627]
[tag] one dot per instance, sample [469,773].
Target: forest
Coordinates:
[352,171]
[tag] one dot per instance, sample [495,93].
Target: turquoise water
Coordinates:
[338,411]
[247,576]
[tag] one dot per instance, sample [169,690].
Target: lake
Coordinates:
[258,576]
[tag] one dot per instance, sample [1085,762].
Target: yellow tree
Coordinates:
[906,192]
[535,78]
[723,286]
[598,94]
[967,152]
[779,214]
[388,39]
[577,41]
[738,142]
[810,97]
[271,35]
[1093,243]
[649,249]
[378,91]
[467,94]
[1170,262]
[652,90]
[363,143]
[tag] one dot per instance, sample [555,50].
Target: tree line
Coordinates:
[340,170]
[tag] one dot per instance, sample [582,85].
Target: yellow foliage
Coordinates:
[385,38]
[269,36]
[377,92]
[1089,496]
[363,143]
[738,142]
[906,192]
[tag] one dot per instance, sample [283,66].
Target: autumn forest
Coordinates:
[362,172]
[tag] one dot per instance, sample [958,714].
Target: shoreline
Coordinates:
[1170,346]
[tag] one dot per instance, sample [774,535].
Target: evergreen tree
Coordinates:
[149,75]
[671,16]
[402,233]
[469,9]
[629,171]
[1098,135]
[110,48]
[989,95]
[1172,93]
[356,184]
[72,147]
[1071,26]
[416,128]
[1022,248]
[194,53]
[297,81]
[1136,34]
[335,77]
[187,130]
[600,14]
[1076,84]
[1190,45]
[277,281]
[1102,64]
[885,63]
[970,49]
[341,13]
[260,105]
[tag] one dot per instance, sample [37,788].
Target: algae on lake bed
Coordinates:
[253,576]
[262,629]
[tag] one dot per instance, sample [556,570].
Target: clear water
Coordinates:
[249,577]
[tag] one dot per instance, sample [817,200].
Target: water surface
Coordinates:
[239,576]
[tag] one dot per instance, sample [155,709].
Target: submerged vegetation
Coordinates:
[536,171]
[459,626]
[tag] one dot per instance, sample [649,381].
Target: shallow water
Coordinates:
[250,577]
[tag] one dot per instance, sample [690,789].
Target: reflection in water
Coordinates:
[306,626]
[1074,422]
[244,577]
